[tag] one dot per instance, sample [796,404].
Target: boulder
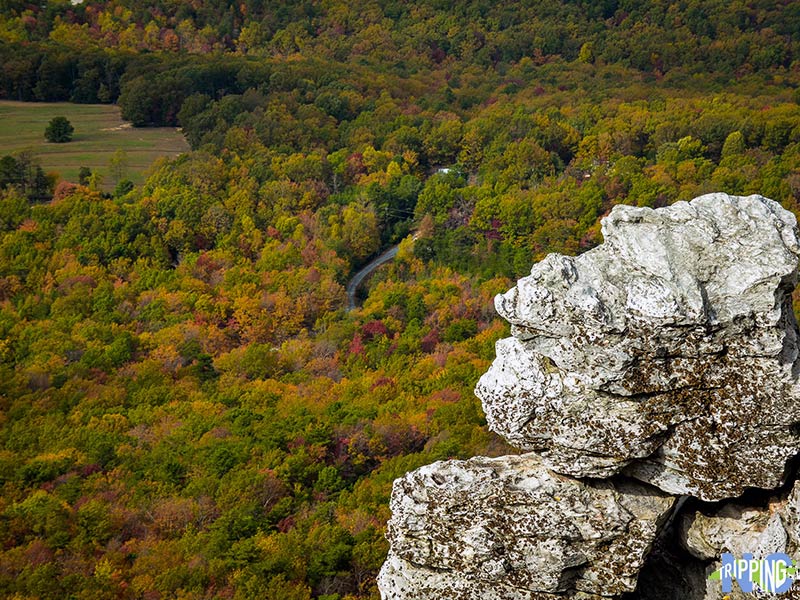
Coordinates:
[509,529]
[658,370]
[669,352]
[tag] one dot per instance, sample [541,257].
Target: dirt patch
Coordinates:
[118,127]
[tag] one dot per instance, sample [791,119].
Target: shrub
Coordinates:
[59,130]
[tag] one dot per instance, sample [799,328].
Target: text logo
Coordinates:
[773,574]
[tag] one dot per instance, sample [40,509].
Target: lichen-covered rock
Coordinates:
[509,529]
[669,353]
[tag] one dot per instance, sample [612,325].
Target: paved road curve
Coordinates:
[353,284]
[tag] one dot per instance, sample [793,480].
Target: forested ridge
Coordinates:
[187,408]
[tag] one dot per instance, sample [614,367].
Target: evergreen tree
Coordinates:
[59,130]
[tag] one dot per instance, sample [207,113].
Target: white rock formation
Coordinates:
[660,351]
[668,354]
[508,529]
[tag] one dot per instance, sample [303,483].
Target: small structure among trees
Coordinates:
[59,130]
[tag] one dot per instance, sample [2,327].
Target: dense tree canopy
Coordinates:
[188,410]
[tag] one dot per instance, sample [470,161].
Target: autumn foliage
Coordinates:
[187,409]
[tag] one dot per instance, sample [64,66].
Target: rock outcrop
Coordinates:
[660,351]
[668,355]
[508,529]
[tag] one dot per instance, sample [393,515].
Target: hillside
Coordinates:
[187,407]
[99,133]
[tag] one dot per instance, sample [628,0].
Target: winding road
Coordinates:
[356,280]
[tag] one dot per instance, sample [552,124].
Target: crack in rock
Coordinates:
[696,320]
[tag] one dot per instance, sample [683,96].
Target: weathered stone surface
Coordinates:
[509,529]
[670,352]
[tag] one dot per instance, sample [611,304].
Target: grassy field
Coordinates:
[99,132]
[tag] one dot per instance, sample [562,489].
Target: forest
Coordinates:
[187,408]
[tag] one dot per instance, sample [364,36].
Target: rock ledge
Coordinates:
[668,355]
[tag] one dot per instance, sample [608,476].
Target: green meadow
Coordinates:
[99,132]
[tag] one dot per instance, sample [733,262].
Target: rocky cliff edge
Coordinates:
[652,384]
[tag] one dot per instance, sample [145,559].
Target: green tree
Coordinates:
[84,173]
[59,130]
[118,166]
[586,54]
[734,145]
[123,187]
[360,230]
